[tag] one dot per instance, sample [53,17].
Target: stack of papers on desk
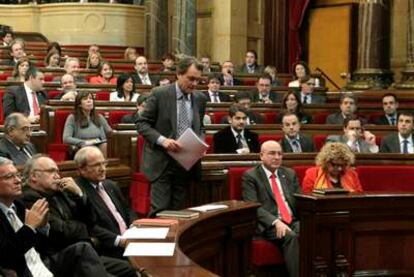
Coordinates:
[145,233]
[209,207]
[165,249]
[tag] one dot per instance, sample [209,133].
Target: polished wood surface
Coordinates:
[367,234]
[216,243]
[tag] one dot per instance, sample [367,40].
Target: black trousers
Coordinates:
[118,267]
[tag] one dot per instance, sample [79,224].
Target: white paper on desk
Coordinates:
[150,249]
[209,207]
[145,233]
[192,149]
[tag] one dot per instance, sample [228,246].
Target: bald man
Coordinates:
[273,186]
[142,77]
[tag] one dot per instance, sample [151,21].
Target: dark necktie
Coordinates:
[183,117]
[295,146]
[239,142]
[405,146]
[306,99]
[216,98]
[393,121]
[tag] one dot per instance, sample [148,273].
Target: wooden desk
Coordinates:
[364,234]
[215,243]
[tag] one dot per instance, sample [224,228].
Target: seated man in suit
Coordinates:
[206,62]
[15,145]
[236,138]
[390,106]
[358,140]
[23,236]
[70,213]
[68,88]
[307,96]
[348,106]
[402,141]
[273,186]
[142,77]
[112,213]
[16,51]
[26,98]
[214,94]
[227,79]
[132,118]
[250,65]
[293,140]
[243,98]
[263,94]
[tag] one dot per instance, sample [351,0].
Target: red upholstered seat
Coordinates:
[116,116]
[319,141]
[49,77]
[386,177]
[269,117]
[216,117]
[320,117]
[58,150]
[300,171]
[102,95]
[4,76]
[210,141]
[266,137]
[52,94]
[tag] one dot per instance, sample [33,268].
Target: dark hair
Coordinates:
[390,94]
[120,84]
[299,108]
[242,95]
[185,63]
[352,117]
[288,114]
[305,65]
[141,99]
[168,56]
[54,46]
[304,79]
[80,118]
[15,73]
[213,76]
[31,72]
[5,32]
[265,76]
[347,95]
[101,65]
[235,108]
[50,54]
[406,113]
[252,52]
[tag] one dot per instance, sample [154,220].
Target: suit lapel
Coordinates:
[196,116]
[24,100]
[172,98]
[284,184]
[263,180]
[287,145]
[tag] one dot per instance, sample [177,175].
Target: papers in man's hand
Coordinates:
[192,149]
[208,207]
[150,249]
[145,233]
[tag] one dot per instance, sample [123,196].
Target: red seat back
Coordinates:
[320,117]
[116,116]
[102,95]
[300,171]
[386,177]
[60,119]
[319,141]
[210,142]
[266,137]
[234,180]
[269,117]
[216,117]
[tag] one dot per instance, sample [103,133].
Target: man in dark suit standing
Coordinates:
[169,111]
[250,65]
[113,215]
[27,98]
[15,145]
[71,218]
[263,94]
[293,140]
[236,138]
[390,106]
[402,141]
[274,186]
[307,95]
[214,94]
[23,236]
[142,77]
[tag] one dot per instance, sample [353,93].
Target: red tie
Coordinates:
[36,109]
[283,209]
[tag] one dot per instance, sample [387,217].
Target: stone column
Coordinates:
[407,79]
[373,46]
[156,19]
[184,34]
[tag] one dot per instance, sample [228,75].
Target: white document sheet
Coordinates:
[209,207]
[145,233]
[150,249]
[192,149]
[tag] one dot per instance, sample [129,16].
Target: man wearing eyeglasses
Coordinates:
[307,96]
[15,145]
[24,244]
[113,216]
[71,217]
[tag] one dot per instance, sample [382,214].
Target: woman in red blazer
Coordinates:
[106,75]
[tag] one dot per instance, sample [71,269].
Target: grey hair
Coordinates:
[28,167]
[186,62]
[81,157]
[12,121]
[70,59]
[4,161]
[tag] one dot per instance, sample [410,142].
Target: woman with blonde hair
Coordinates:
[332,170]
[130,54]
[93,61]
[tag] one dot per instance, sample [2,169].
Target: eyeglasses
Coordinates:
[11,176]
[99,164]
[49,170]
[25,129]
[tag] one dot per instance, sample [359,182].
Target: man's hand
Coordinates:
[171,145]
[351,135]
[370,138]
[281,229]
[69,184]
[122,243]
[38,215]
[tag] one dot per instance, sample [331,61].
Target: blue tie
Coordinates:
[405,146]
[183,117]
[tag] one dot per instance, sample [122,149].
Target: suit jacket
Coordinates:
[225,142]
[256,188]
[258,69]
[221,95]
[236,82]
[363,145]
[160,118]
[106,228]
[335,118]
[13,245]
[155,79]
[306,144]
[130,118]
[390,144]
[275,97]
[254,118]
[15,100]
[383,120]
[70,217]
[316,98]
[9,150]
